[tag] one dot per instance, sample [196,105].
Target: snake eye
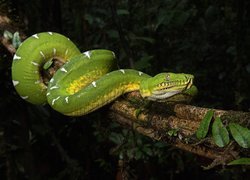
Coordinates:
[168,77]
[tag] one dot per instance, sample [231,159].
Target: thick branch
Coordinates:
[156,121]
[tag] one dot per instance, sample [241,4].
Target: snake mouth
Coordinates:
[161,97]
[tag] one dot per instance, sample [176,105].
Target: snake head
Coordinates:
[165,85]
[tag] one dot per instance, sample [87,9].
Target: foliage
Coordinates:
[204,126]
[209,39]
[221,137]
[240,134]
[241,161]
[220,133]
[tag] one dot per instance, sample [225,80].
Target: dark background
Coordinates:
[210,39]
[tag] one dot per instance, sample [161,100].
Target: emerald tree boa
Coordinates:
[85,81]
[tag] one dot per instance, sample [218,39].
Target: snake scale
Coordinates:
[85,81]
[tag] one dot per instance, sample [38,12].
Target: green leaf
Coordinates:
[204,125]
[116,138]
[181,18]
[211,13]
[122,12]
[113,34]
[144,62]
[241,161]
[48,64]
[232,50]
[16,41]
[173,132]
[137,154]
[148,150]
[240,134]
[220,133]
[89,18]
[7,34]
[146,39]
[164,18]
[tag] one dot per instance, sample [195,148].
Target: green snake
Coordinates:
[86,81]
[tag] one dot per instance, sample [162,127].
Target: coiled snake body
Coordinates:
[86,81]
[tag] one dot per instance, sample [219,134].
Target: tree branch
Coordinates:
[156,121]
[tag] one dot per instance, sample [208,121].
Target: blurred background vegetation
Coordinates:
[210,39]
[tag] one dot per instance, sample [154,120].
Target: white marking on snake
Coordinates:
[15,82]
[94,83]
[67,99]
[113,54]
[68,39]
[42,54]
[50,33]
[140,73]
[24,97]
[63,70]
[66,52]
[16,57]
[36,72]
[34,63]
[87,53]
[54,51]
[54,87]
[48,93]
[122,70]
[53,101]
[51,80]
[20,44]
[36,36]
